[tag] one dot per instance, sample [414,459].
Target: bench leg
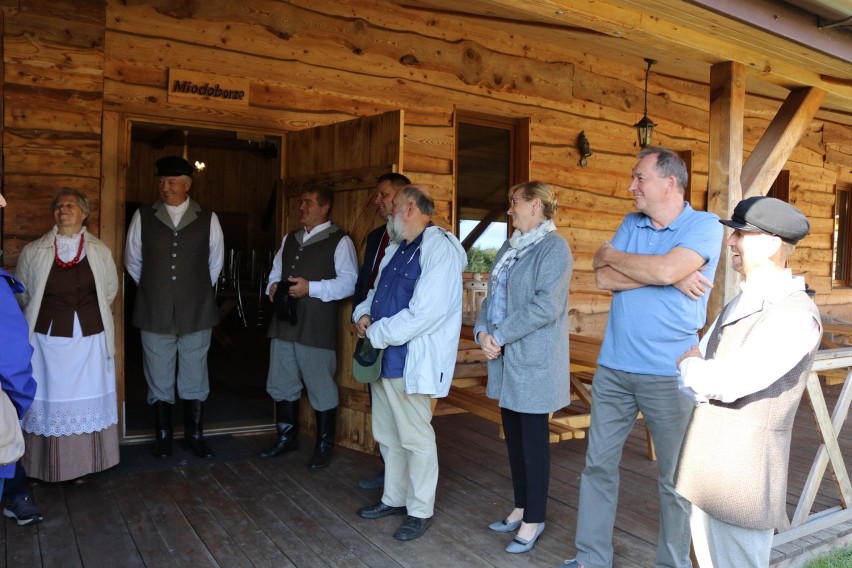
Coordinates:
[652,453]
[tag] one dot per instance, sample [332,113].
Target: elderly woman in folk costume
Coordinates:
[71,430]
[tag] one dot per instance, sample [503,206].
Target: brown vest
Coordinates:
[734,459]
[316,321]
[66,292]
[175,294]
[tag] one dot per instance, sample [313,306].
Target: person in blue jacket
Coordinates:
[16,372]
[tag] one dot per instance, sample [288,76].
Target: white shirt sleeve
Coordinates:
[346,267]
[763,358]
[133,248]
[275,271]
[216,259]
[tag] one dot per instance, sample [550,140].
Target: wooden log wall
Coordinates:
[317,62]
[53,103]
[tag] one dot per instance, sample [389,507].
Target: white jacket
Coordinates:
[431,323]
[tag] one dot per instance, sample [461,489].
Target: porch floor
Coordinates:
[240,510]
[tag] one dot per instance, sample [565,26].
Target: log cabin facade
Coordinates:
[340,91]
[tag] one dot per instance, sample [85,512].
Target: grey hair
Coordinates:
[419,195]
[82,201]
[668,164]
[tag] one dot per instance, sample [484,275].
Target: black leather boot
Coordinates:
[326,421]
[287,422]
[193,430]
[163,429]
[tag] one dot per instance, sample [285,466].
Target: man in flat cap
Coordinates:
[175,254]
[747,377]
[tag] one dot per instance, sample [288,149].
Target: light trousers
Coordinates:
[719,544]
[169,358]
[402,426]
[293,364]
[617,396]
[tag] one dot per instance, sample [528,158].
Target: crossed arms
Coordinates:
[681,267]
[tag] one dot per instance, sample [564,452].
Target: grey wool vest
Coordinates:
[175,294]
[316,321]
[734,459]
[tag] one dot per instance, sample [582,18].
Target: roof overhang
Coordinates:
[783,46]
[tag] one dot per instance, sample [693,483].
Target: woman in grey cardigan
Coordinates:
[523,332]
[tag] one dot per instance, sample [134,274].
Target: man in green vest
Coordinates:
[175,252]
[316,267]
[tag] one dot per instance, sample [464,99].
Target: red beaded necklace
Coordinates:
[73,261]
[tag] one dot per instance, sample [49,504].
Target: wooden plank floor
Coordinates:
[253,512]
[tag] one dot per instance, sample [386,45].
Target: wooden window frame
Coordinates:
[519,144]
[845,219]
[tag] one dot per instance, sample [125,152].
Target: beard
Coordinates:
[395,228]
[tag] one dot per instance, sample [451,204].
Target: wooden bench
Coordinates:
[831,331]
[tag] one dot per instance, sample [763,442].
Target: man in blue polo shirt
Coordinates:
[414,314]
[659,267]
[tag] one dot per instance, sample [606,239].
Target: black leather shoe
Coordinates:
[326,421]
[163,433]
[287,424]
[380,510]
[198,447]
[193,429]
[162,444]
[412,528]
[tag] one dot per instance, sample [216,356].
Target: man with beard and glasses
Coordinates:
[377,241]
[414,314]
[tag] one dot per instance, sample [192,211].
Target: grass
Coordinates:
[841,558]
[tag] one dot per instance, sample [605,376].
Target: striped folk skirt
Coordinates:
[62,458]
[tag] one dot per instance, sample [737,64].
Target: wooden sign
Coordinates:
[193,87]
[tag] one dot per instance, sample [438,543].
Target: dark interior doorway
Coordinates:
[240,182]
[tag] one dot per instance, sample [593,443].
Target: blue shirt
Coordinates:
[393,293]
[650,327]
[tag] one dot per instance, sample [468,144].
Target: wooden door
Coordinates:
[347,157]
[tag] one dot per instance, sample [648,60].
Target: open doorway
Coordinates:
[240,182]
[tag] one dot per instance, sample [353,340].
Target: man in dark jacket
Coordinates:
[386,187]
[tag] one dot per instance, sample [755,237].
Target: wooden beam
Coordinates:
[725,159]
[114,163]
[779,140]
[783,20]
[674,30]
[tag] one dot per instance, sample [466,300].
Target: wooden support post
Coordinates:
[727,104]
[779,140]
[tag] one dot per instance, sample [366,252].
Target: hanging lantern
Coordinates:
[645,126]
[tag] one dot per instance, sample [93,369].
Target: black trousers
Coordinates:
[528,444]
[15,488]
